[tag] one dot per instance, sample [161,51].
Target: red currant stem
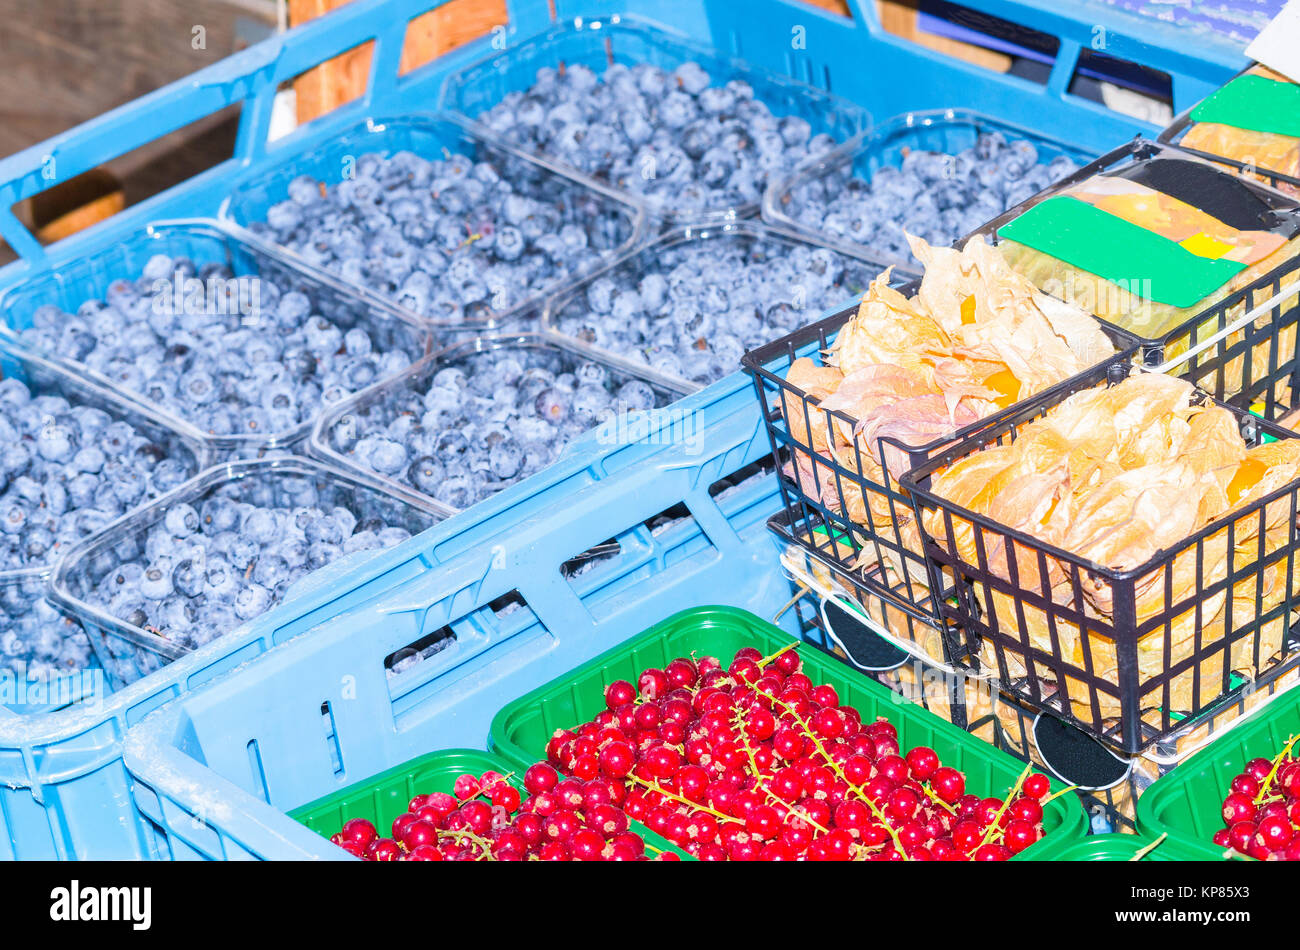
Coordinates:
[650,847]
[505,779]
[1055,795]
[655,786]
[992,829]
[472,838]
[835,767]
[1272,773]
[785,649]
[1151,847]
[930,794]
[739,722]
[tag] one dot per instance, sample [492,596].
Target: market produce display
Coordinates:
[1120,476]
[674,138]
[1261,813]
[1251,119]
[554,274]
[214,360]
[902,372]
[68,467]
[204,566]
[934,195]
[690,310]
[462,427]
[458,239]
[486,820]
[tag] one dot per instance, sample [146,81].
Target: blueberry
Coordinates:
[252,600]
[181,520]
[156,582]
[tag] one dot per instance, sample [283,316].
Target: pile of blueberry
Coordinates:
[230,361]
[933,195]
[471,426]
[692,309]
[36,640]
[453,239]
[208,566]
[68,468]
[677,140]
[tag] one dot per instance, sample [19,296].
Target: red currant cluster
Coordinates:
[756,762]
[482,821]
[1261,814]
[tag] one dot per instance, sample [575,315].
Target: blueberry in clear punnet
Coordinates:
[675,138]
[37,641]
[691,309]
[232,552]
[935,195]
[470,425]
[458,234]
[234,355]
[69,467]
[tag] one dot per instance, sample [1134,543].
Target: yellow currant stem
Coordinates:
[1277,764]
[1055,795]
[1006,802]
[930,794]
[835,767]
[483,791]
[1149,848]
[739,722]
[785,649]
[473,839]
[655,786]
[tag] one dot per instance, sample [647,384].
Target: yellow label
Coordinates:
[1202,245]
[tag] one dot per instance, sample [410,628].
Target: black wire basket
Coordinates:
[1164,654]
[1255,365]
[848,509]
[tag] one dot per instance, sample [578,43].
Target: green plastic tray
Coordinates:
[1186,803]
[381,798]
[521,730]
[1116,847]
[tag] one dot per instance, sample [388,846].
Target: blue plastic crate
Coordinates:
[63,787]
[215,771]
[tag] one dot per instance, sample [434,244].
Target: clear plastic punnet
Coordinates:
[683,309]
[662,97]
[216,333]
[477,417]
[948,171]
[221,550]
[459,231]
